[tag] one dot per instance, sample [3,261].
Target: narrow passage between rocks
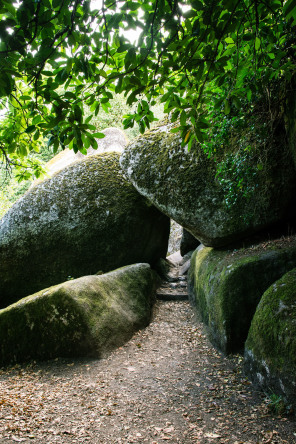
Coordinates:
[167,384]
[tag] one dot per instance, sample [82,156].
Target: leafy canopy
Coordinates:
[197,55]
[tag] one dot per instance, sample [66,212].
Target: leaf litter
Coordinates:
[167,384]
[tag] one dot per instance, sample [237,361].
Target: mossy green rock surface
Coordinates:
[182,184]
[226,286]
[86,218]
[270,352]
[83,317]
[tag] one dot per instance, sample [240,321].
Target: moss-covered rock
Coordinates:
[183,185]
[226,286]
[84,219]
[270,351]
[83,317]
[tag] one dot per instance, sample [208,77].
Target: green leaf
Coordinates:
[55,145]
[226,107]
[290,9]
[129,58]
[200,136]
[257,43]
[77,113]
[86,141]
[88,119]
[202,124]
[36,135]
[30,129]
[183,118]
[94,144]
[229,41]
[37,119]
[197,5]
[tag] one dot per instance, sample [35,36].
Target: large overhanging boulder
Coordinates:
[86,218]
[83,317]
[183,185]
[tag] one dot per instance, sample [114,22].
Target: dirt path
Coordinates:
[167,384]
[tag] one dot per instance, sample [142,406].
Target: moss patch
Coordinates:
[183,185]
[83,317]
[86,218]
[270,355]
[226,286]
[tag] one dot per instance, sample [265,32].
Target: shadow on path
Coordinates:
[167,384]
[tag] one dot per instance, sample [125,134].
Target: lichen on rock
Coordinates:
[225,286]
[88,316]
[183,185]
[86,218]
[270,352]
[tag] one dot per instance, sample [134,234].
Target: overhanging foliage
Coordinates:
[198,56]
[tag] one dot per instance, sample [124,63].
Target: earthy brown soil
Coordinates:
[167,384]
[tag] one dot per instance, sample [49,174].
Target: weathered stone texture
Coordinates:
[86,218]
[225,287]
[183,185]
[270,352]
[88,316]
